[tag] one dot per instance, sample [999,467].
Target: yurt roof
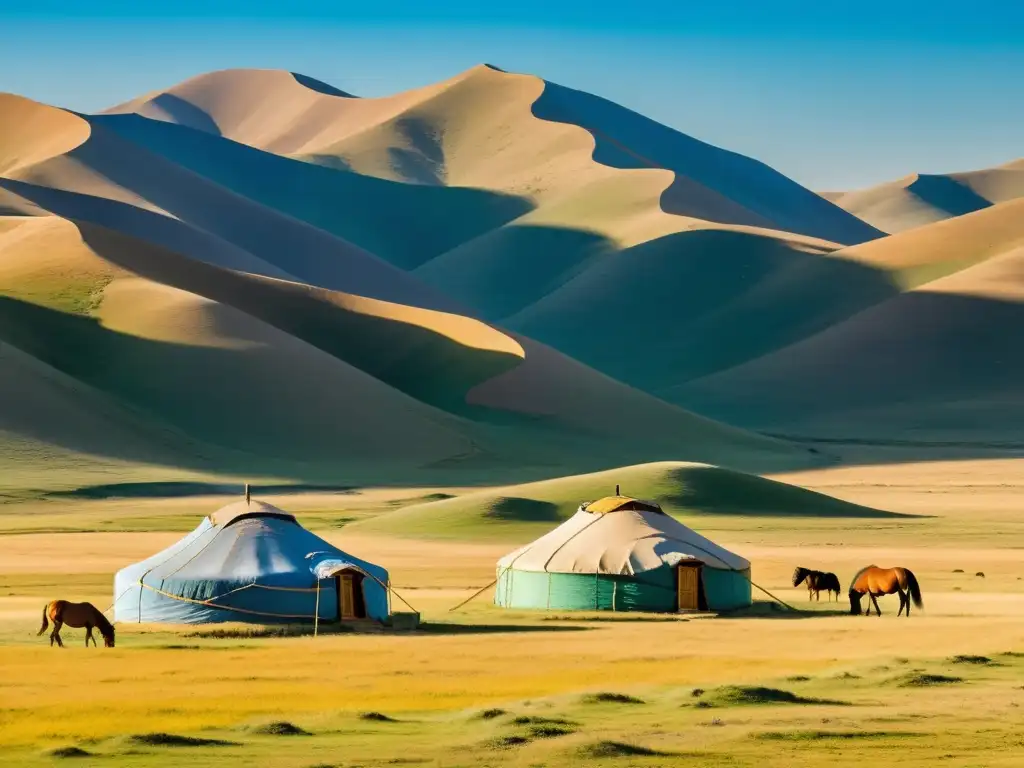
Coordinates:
[240,509]
[628,542]
[617,504]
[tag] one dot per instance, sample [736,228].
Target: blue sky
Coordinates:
[836,95]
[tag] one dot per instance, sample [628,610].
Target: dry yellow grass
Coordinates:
[161,679]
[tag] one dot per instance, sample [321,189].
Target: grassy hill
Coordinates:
[687,491]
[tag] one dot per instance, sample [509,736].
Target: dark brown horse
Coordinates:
[76,615]
[874,581]
[817,581]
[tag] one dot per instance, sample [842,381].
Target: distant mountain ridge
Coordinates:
[921,199]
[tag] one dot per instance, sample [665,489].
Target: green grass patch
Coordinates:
[683,489]
[969,659]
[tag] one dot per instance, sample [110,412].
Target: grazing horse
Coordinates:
[76,615]
[816,582]
[873,581]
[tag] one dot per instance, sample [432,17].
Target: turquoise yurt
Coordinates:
[250,562]
[623,554]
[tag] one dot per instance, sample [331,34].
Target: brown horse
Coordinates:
[817,581]
[873,581]
[76,615]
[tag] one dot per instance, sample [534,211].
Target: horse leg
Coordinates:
[55,635]
[875,601]
[88,635]
[903,601]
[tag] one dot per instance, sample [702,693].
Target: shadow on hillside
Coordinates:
[509,268]
[947,194]
[926,372]
[403,223]
[319,86]
[727,296]
[711,183]
[186,113]
[195,388]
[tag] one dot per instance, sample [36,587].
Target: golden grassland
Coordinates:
[862,690]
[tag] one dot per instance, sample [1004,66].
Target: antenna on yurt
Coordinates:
[616,489]
[247,494]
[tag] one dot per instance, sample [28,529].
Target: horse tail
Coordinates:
[46,622]
[913,587]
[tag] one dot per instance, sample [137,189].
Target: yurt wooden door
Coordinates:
[346,596]
[689,587]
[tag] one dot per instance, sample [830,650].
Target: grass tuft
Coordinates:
[922,680]
[68,752]
[605,749]
[832,735]
[174,740]
[507,742]
[490,714]
[535,720]
[740,695]
[968,659]
[550,731]
[606,697]
[376,717]
[280,728]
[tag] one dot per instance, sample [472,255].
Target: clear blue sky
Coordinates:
[835,94]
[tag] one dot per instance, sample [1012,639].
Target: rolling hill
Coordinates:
[920,199]
[936,362]
[688,491]
[493,277]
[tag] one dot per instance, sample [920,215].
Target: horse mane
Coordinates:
[799,575]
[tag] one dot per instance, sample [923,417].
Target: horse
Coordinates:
[76,615]
[873,581]
[816,582]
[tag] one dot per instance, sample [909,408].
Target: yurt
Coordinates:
[623,554]
[250,562]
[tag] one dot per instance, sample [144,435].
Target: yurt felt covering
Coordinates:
[250,563]
[619,554]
